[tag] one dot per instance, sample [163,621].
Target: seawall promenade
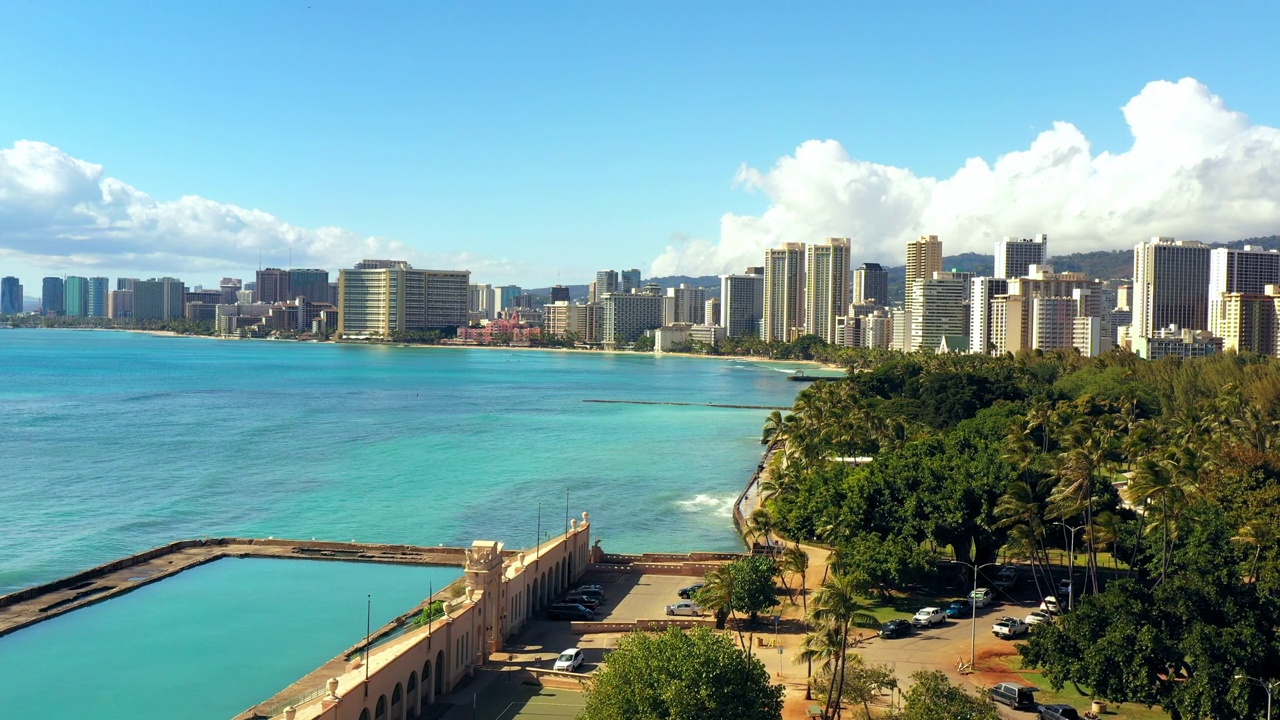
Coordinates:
[42,602]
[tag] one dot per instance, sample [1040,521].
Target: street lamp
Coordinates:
[1270,687]
[973,605]
[1071,564]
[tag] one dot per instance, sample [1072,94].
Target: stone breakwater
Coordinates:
[39,603]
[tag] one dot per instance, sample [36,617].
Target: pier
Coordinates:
[27,607]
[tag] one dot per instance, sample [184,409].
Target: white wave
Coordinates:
[721,506]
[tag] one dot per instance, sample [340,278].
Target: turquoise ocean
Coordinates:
[112,443]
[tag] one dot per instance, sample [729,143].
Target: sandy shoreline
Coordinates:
[734,358]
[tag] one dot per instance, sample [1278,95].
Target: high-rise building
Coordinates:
[742,304]
[982,291]
[158,299]
[877,330]
[10,296]
[386,297]
[480,301]
[273,285]
[607,282]
[1015,256]
[75,296]
[871,284]
[120,304]
[97,305]
[51,296]
[826,287]
[503,297]
[230,289]
[1250,322]
[309,283]
[1170,286]
[629,281]
[126,283]
[924,258]
[783,293]
[627,316]
[939,307]
[711,312]
[560,292]
[688,305]
[1247,271]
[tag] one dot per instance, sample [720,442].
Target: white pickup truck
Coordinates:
[1009,627]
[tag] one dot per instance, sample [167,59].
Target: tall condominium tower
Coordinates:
[98,287]
[686,305]
[504,296]
[982,291]
[480,300]
[273,286]
[939,308]
[1246,271]
[826,287]
[924,258]
[559,293]
[1014,256]
[741,304]
[625,317]
[75,296]
[51,296]
[607,282]
[1170,286]
[158,299]
[10,296]
[871,284]
[783,292]
[309,283]
[629,280]
[230,289]
[380,301]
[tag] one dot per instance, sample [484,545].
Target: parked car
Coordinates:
[590,589]
[687,607]
[1064,588]
[982,597]
[928,617]
[959,608]
[587,601]
[1009,627]
[895,628]
[570,611]
[1007,577]
[1036,617]
[1018,697]
[1050,605]
[1056,712]
[688,592]
[569,660]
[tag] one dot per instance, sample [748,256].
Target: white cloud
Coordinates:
[64,214]
[1197,169]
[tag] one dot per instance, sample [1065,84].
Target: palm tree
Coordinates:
[773,425]
[822,644]
[1021,511]
[759,523]
[796,561]
[1260,533]
[836,604]
[716,596]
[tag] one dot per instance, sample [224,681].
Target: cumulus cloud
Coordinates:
[1196,169]
[61,213]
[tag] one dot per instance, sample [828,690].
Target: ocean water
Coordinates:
[206,643]
[112,442]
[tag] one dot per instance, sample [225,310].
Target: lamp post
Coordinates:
[1071,564]
[1270,687]
[973,605]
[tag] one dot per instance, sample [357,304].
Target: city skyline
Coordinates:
[575,147]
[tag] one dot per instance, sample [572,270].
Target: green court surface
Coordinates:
[502,701]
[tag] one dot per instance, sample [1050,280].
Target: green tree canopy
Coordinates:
[933,697]
[697,674]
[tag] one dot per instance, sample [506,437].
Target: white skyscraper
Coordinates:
[1015,256]
[1246,271]
[783,292]
[826,287]
[982,291]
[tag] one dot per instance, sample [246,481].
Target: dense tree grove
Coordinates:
[1163,475]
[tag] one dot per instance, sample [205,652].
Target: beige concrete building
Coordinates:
[627,316]
[381,297]
[1015,256]
[939,306]
[783,317]
[742,304]
[1247,271]
[924,258]
[1250,322]
[826,287]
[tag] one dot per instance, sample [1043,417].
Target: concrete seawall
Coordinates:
[35,604]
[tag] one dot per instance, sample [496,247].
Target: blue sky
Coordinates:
[547,140]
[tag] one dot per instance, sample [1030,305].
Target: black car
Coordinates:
[688,592]
[1056,712]
[569,611]
[895,628]
[587,601]
[589,590]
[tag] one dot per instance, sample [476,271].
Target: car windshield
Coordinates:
[565,657]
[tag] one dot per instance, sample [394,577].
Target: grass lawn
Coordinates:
[1068,695]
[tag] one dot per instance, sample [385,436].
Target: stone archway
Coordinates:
[380,711]
[411,700]
[440,672]
[397,702]
[426,693]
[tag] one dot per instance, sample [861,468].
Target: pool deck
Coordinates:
[27,607]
